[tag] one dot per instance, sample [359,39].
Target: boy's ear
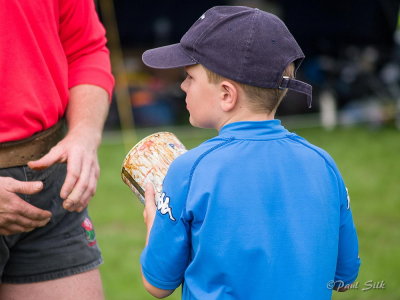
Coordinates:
[229,95]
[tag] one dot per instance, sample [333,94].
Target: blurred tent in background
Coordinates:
[352,58]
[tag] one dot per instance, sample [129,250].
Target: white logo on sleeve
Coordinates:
[348,199]
[163,206]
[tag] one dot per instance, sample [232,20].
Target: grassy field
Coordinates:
[369,162]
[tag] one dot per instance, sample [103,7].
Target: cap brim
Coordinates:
[167,57]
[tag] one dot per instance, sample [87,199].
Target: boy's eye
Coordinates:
[188,76]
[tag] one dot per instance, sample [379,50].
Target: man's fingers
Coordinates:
[22,187]
[76,195]
[17,215]
[54,156]
[12,224]
[29,211]
[13,229]
[23,222]
[18,207]
[90,190]
[74,167]
[83,190]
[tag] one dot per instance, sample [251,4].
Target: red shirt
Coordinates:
[47,47]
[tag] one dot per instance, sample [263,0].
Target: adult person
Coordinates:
[55,67]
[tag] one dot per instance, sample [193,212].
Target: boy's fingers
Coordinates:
[150,208]
[149,195]
[150,205]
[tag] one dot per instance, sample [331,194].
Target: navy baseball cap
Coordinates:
[244,44]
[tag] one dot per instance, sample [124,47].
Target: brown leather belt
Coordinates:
[19,153]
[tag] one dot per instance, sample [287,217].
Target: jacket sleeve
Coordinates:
[83,38]
[165,258]
[348,262]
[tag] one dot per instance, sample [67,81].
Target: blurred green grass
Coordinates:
[368,160]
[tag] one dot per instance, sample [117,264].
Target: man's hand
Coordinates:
[16,215]
[80,154]
[86,113]
[149,211]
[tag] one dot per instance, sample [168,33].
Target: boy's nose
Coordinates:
[183,85]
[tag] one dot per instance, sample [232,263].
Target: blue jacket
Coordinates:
[254,213]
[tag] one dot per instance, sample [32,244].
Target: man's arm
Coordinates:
[86,113]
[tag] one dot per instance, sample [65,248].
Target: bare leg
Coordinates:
[84,286]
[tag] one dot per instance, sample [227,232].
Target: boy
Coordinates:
[256,212]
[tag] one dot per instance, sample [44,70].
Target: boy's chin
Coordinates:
[194,123]
[197,124]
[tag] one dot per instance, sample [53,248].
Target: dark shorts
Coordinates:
[64,247]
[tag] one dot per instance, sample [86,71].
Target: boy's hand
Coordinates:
[149,211]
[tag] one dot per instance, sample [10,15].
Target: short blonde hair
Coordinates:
[260,99]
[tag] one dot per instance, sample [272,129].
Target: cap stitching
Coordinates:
[248,44]
[188,54]
[207,29]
